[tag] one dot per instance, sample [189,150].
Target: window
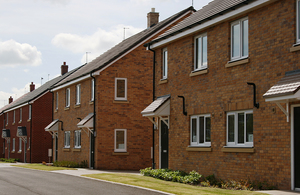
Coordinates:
[68,97]
[239,39]
[120,89]
[77,139]
[67,139]
[20,114]
[165,64]
[200,52]
[6,118]
[240,128]
[29,112]
[298,21]
[14,144]
[120,140]
[56,101]
[14,117]
[28,143]
[92,89]
[78,94]
[200,130]
[20,145]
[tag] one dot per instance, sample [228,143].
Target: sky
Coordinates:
[37,36]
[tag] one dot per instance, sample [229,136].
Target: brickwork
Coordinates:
[71,117]
[271,35]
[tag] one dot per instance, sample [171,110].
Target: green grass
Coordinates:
[43,167]
[165,186]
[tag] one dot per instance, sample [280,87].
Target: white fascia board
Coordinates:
[142,42]
[284,99]
[71,82]
[14,108]
[212,22]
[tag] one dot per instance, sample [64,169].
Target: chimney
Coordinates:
[152,18]
[10,100]
[64,68]
[32,86]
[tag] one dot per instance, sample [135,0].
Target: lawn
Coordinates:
[165,186]
[43,167]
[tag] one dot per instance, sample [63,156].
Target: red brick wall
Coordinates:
[271,35]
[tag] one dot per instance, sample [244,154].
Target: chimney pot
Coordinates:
[10,100]
[32,86]
[152,18]
[64,68]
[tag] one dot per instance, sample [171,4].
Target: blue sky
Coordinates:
[37,36]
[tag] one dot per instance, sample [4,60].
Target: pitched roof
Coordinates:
[288,85]
[155,104]
[37,92]
[212,9]
[120,49]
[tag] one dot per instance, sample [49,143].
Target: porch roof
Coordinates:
[53,126]
[87,121]
[159,107]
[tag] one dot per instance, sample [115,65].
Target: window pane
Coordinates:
[120,135]
[194,130]
[121,88]
[201,131]
[165,63]
[230,128]
[245,37]
[236,40]
[204,51]
[241,128]
[249,127]
[198,53]
[207,130]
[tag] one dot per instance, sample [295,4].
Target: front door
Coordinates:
[297,147]
[164,141]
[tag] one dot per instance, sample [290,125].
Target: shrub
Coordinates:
[69,164]
[10,160]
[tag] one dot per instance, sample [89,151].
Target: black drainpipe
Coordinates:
[94,125]
[153,89]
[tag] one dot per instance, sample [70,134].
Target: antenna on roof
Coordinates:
[48,76]
[86,55]
[42,80]
[124,32]
[192,2]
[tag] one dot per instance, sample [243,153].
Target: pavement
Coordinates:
[81,171]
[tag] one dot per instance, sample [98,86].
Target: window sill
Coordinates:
[77,106]
[28,149]
[120,102]
[12,152]
[20,122]
[66,149]
[28,120]
[237,63]
[120,153]
[295,47]
[76,149]
[91,102]
[233,149]
[56,110]
[13,123]
[163,81]
[19,152]
[198,149]
[198,72]
[67,108]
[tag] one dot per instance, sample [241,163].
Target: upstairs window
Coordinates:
[240,129]
[77,140]
[68,97]
[78,94]
[200,130]
[239,39]
[20,114]
[14,117]
[200,52]
[298,21]
[165,64]
[6,118]
[56,101]
[29,114]
[67,139]
[92,89]
[120,89]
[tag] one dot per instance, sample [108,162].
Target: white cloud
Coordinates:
[96,44]
[57,2]
[13,53]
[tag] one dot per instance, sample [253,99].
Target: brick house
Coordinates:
[227,92]
[23,124]
[112,90]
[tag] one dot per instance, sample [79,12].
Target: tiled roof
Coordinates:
[117,51]
[86,119]
[206,13]
[37,92]
[155,104]
[288,85]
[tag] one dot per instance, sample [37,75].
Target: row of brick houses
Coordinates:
[220,87]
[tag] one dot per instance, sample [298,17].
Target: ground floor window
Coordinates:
[20,145]
[67,139]
[14,144]
[240,128]
[77,139]
[200,130]
[120,140]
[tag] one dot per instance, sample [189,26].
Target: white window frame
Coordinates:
[20,115]
[14,145]
[298,21]
[165,63]
[67,139]
[14,117]
[235,143]
[20,144]
[240,56]
[78,94]
[116,88]
[56,101]
[92,90]
[68,91]
[28,143]
[197,142]
[77,139]
[6,118]
[116,149]
[29,114]
[202,65]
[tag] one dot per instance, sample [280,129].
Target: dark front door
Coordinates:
[297,146]
[164,141]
